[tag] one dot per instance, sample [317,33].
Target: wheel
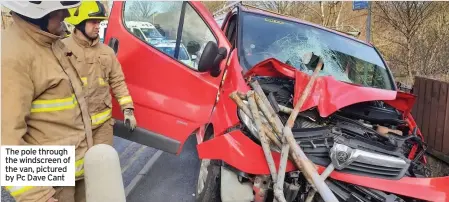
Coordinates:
[208,185]
[209,177]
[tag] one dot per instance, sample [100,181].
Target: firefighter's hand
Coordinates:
[130,120]
[52,200]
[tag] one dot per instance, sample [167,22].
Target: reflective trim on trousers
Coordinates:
[79,167]
[17,190]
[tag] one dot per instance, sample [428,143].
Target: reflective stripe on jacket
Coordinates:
[42,97]
[99,70]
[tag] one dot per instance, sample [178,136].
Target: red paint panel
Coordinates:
[170,98]
[225,112]
[329,94]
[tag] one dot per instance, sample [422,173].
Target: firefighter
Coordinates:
[42,96]
[99,71]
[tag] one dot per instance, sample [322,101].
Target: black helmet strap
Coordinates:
[82,27]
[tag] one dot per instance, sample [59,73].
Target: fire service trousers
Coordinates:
[104,133]
[71,194]
[101,135]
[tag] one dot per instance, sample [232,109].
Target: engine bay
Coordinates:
[366,139]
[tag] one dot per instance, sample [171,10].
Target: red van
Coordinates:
[355,117]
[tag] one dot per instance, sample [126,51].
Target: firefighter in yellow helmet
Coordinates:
[99,71]
[42,96]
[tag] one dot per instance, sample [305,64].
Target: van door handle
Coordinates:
[113,43]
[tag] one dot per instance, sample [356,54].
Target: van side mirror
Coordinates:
[211,58]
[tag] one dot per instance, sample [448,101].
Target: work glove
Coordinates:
[130,120]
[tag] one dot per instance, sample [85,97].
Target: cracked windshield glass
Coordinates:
[346,60]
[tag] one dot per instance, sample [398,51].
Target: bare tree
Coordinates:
[213,6]
[141,10]
[407,19]
[281,7]
[106,5]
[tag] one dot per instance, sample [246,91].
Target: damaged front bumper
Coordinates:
[240,152]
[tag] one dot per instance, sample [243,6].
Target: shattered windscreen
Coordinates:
[347,60]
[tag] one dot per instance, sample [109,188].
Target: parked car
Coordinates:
[145,30]
[355,117]
[103,26]
[169,46]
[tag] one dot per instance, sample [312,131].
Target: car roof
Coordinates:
[139,23]
[250,9]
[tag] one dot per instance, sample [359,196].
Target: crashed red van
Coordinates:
[355,118]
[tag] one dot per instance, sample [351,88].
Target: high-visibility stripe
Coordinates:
[84,79]
[54,105]
[17,190]
[79,167]
[101,81]
[125,100]
[101,117]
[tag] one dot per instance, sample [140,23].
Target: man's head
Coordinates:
[47,15]
[90,28]
[55,20]
[87,17]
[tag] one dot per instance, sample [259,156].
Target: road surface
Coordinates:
[171,178]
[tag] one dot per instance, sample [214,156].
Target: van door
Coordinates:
[171,97]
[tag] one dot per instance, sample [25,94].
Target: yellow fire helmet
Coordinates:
[88,10]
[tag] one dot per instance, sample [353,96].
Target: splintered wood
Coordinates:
[270,129]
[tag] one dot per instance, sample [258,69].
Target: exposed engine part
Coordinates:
[261,187]
[291,191]
[368,139]
[373,112]
[273,102]
[281,89]
[292,186]
[386,131]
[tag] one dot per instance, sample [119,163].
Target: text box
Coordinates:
[38,165]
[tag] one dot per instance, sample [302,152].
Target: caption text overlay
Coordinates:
[38,166]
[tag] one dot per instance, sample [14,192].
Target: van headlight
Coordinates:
[249,123]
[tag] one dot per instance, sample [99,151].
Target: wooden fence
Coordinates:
[431,112]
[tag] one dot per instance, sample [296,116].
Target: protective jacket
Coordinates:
[100,70]
[42,98]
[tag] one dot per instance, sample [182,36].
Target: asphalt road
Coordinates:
[171,178]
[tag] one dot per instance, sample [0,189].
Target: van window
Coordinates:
[195,33]
[158,22]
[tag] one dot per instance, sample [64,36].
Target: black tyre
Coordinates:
[208,184]
[209,177]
